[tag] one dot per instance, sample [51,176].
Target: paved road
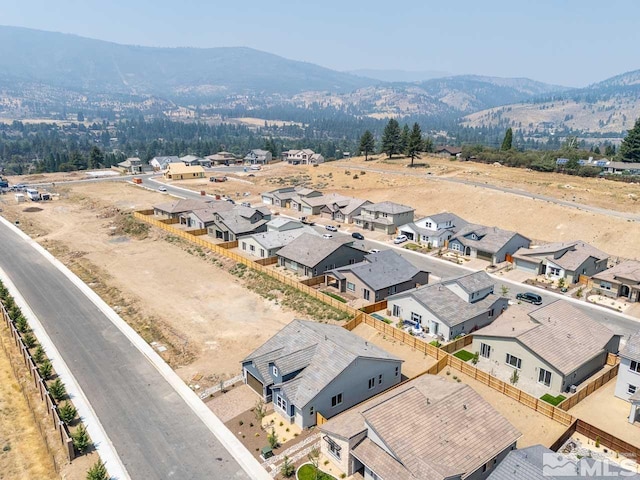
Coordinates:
[155,433]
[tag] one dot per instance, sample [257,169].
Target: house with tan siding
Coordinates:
[622,280]
[384,217]
[180,171]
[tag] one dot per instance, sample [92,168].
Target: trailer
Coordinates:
[33,194]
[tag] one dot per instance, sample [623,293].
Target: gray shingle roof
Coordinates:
[325,349]
[632,349]
[628,270]
[382,270]
[559,333]
[237,220]
[575,254]
[275,239]
[184,205]
[389,207]
[208,214]
[472,282]
[310,250]
[433,427]
[490,239]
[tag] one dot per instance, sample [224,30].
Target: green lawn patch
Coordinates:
[552,400]
[337,297]
[412,246]
[463,355]
[435,343]
[308,472]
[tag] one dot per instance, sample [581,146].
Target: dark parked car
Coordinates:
[357,235]
[530,297]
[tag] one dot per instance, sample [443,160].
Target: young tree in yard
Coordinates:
[507,143]
[288,468]
[272,438]
[414,143]
[98,472]
[391,138]
[57,390]
[367,144]
[29,340]
[314,459]
[45,369]
[260,410]
[476,358]
[38,355]
[67,413]
[504,290]
[630,147]
[514,377]
[81,438]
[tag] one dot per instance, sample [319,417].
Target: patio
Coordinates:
[504,373]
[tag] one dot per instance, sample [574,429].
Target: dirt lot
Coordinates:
[535,427]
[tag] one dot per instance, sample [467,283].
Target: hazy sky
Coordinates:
[568,42]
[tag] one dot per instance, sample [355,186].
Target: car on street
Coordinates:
[357,235]
[530,298]
[400,239]
[327,235]
[331,228]
[162,189]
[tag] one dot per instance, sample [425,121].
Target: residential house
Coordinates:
[193,160]
[310,368]
[557,345]
[380,274]
[302,157]
[567,260]
[231,224]
[622,280]
[180,171]
[268,243]
[384,217]
[448,151]
[541,463]
[258,157]
[344,210]
[178,207]
[435,230]
[451,307]
[313,205]
[131,165]
[204,217]
[619,168]
[487,243]
[628,379]
[282,224]
[222,158]
[427,428]
[161,163]
[312,255]
[282,197]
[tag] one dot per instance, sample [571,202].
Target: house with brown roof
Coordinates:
[427,428]
[384,217]
[448,151]
[180,171]
[222,158]
[622,280]
[310,368]
[487,243]
[567,260]
[558,345]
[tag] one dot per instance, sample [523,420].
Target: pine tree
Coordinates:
[96,158]
[630,146]
[414,143]
[81,438]
[596,150]
[404,138]
[508,140]
[67,413]
[57,390]
[391,138]
[98,472]
[367,144]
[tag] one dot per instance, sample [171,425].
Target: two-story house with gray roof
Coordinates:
[628,379]
[622,280]
[380,274]
[428,428]
[343,210]
[557,345]
[161,163]
[258,157]
[451,307]
[282,197]
[267,244]
[239,221]
[487,243]
[384,217]
[309,368]
[434,230]
[567,260]
[311,255]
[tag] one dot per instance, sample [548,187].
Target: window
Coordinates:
[397,371]
[311,410]
[336,400]
[333,447]
[372,383]
[252,248]
[244,245]
[554,271]
[415,317]
[485,350]
[262,252]
[631,389]
[380,379]
[392,290]
[366,293]
[275,371]
[396,311]
[428,225]
[544,377]
[514,361]
[351,287]
[491,313]
[281,403]
[605,285]
[634,366]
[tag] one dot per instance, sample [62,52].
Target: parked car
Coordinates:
[357,235]
[231,201]
[374,250]
[327,235]
[162,189]
[400,239]
[331,228]
[530,298]
[255,167]
[245,204]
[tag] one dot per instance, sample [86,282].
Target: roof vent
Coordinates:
[464,406]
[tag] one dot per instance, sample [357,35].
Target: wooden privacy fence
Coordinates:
[608,440]
[41,386]
[589,388]
[456,345]
[267,261]
[375,307]
[311,282]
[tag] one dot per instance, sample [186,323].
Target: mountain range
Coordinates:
[43,72]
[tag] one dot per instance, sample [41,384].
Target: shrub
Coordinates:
[515,376]
[38,355]
[81,439]
[98,472]
[45,369]
[29,340]
[240,423]
[21,324]
[272,438]
[288,469]
[67,413]
[57,390]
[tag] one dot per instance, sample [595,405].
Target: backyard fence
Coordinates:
[456,345]
[589,388]
[41,386]
[267,261]
[312,282]
[375,307]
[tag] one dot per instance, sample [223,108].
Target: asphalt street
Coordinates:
[156,434]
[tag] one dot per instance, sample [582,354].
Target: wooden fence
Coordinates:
[267,261]
[41,386]
[456,345]
[375,307]
[198,232]
[608,440]
[311,282]
[588,389]
[320,420]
